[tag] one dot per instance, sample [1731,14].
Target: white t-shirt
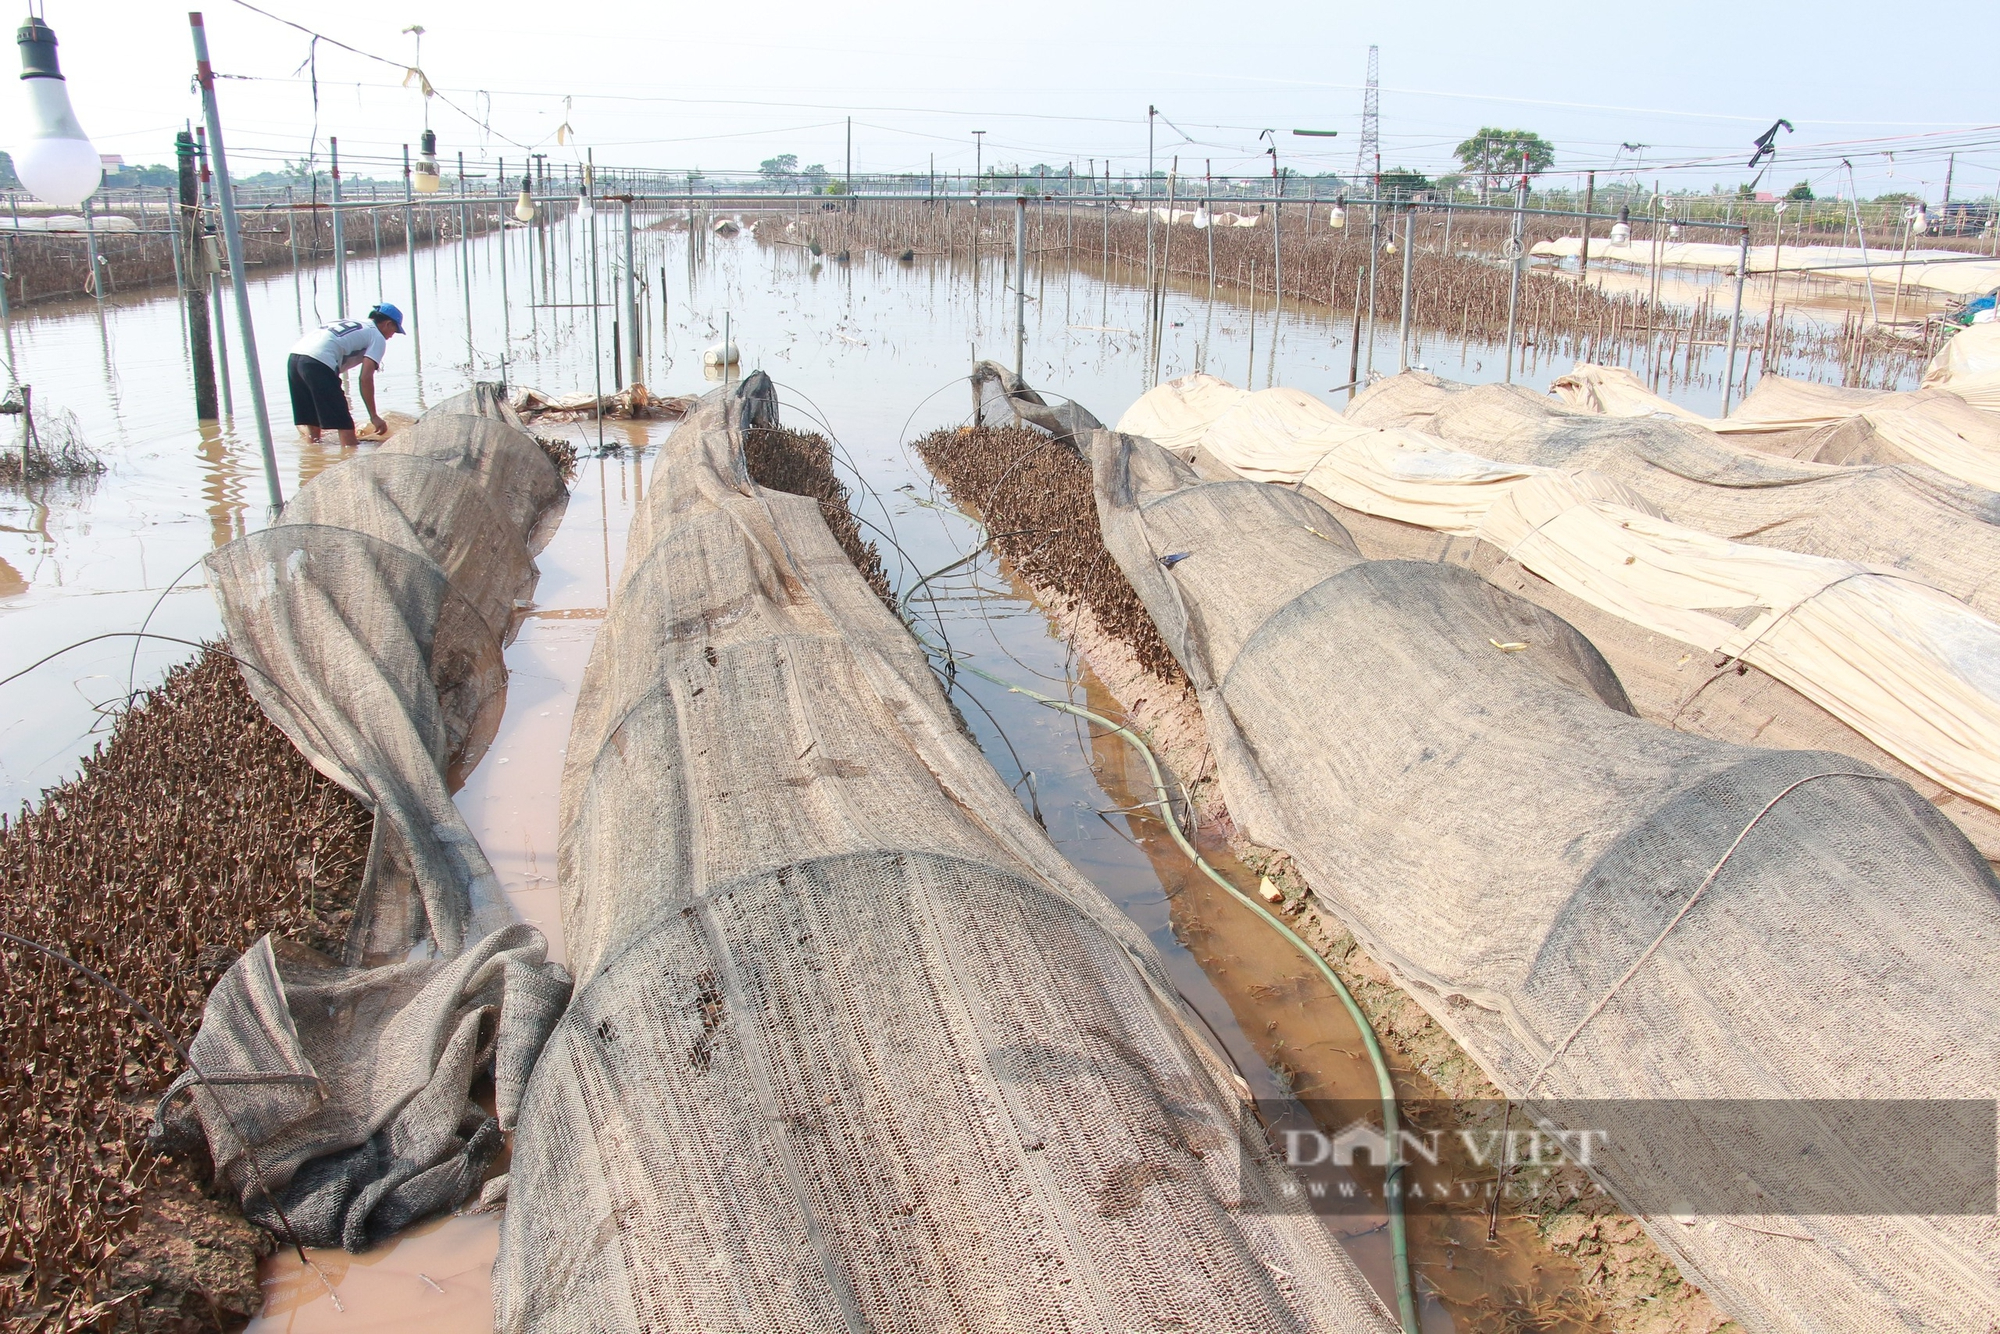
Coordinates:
[342,344]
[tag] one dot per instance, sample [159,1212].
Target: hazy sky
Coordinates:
[721,87]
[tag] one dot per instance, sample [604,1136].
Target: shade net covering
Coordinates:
[1932,426]
[1001,398]
[1593,905]
[1895,660]
[852,1047]
[335,1097]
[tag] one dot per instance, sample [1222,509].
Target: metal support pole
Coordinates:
[1736,317]
[180,276]
[1020,282]
[633,364]
[214,281]
[187,239]
[1403,310]
[96,265]
[1208,204]
[410,252]
[1589,200]
[1514,273]
[1860,239]
[465,263]
[1150,113]
[1374,249]
[596,332]
[339,235]
[506,315]
[1277,255]
[234,236]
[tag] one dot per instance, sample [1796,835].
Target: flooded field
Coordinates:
[872,353]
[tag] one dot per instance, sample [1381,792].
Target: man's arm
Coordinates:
[375,422]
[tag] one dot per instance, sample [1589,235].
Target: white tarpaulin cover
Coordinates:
[1948,271]
[1912,669]
[1969,365]
[1933,426]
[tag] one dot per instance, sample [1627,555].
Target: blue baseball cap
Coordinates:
[388,312]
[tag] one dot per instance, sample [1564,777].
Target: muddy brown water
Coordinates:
[872,353]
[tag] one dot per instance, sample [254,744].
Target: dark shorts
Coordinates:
[318,397]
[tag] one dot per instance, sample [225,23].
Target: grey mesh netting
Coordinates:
[852,1047]
[370,619]
[1002,398]
[1593,905]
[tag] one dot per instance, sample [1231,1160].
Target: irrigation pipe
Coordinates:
[1399,1237]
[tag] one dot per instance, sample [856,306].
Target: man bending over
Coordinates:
[319,399]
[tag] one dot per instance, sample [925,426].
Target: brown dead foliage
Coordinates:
[193,831]
[1034,494]
[801,463]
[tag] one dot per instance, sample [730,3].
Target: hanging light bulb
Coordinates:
[1621,230]
[524,207]
[1673,231]
[1388,247]
[425,178]
[57,163]
[1337,219]
[1920,221]
[584,207]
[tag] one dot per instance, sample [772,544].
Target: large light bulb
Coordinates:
[524,207]
[425,177]
[1338,218]
[58,164]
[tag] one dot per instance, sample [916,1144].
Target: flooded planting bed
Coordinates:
[872,353]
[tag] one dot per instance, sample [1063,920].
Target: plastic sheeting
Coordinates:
[852,1047]
[1969,365]
[1948,271]
[1595,906]
[1903,664]
[1931,426]
[1908,518]
[369,620]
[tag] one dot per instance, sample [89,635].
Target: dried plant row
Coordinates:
[55,266]
[1459,282]
[801,463]
[1034,494]
[1599,1269]
[196,829]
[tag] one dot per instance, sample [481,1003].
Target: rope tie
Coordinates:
[1561,1047]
